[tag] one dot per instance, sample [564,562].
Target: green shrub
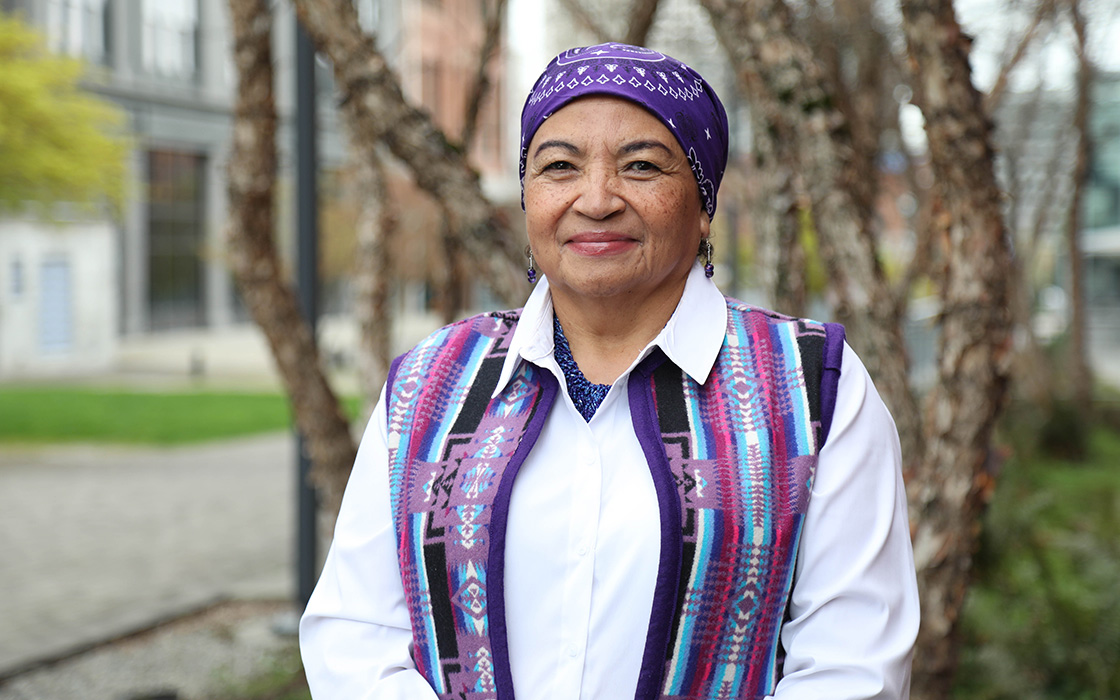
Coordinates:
[1043,615]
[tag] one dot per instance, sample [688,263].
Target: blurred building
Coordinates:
[168,65]
[1037,157]
[1102,199]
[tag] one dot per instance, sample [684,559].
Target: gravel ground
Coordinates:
[205,656]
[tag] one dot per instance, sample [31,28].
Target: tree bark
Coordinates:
[1080,374]
[947,489]
[373,273]
[792,108]
[777,214]
[375,111]
[256,265]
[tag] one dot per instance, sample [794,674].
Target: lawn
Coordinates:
[37,415]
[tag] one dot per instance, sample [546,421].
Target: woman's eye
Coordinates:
[643,166]
[558,165]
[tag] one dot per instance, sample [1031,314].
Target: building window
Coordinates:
[79,28]
[175,239]
[169,39]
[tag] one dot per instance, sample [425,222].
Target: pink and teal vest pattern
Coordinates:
[732,463]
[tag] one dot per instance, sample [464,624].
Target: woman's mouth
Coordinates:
[600,243]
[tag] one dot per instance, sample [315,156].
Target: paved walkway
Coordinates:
[96,542]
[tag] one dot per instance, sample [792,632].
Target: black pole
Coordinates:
[307,216]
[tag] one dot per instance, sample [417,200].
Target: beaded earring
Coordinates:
[706,254]
[531,272]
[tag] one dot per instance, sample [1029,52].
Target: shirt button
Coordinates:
[583,550]
[573,651]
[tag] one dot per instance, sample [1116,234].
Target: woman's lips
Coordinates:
[600,243]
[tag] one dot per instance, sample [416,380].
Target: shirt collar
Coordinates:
[691,339]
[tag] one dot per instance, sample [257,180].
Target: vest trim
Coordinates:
[499,518]
[665,592]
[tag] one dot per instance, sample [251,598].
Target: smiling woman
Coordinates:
[634,487]
[614,221]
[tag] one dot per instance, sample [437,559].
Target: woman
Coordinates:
[633,487]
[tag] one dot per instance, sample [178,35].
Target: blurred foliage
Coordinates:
[57,143]
[1043,615]
[281,679]
[816,280]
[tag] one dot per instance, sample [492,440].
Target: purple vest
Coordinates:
[732,463]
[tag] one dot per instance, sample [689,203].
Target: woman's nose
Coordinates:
[599,197]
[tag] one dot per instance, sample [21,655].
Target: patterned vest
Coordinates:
[732,463]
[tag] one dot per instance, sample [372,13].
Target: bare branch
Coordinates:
[1044,11]
[494,20]
[584,19]
[642,14]
[373,270]
[375,111]
[1081,375]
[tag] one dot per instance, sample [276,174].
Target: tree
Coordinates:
[57,143]
[256,264]
[800,128]
[814,145]
[1081,375]
[638,20]
[376,115]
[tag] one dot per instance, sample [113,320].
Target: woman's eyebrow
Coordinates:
[644,145]
[556,143]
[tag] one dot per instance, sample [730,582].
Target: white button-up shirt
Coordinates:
[583,544]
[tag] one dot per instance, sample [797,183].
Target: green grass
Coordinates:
[38,415]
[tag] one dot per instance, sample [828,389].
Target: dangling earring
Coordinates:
[531,273]
[706,254]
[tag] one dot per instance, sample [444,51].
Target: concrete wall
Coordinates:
[58,298]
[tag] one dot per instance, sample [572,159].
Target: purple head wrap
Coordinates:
[674,93]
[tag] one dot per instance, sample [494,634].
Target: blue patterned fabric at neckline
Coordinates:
[586,396]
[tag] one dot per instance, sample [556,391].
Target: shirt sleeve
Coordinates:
[355,633]
[854,606]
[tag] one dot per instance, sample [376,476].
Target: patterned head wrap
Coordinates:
[674,93]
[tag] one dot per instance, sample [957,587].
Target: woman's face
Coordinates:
[612,207]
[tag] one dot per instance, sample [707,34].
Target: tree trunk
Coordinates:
[373,273]
[374,111]
[777,215]
[791,107]
[946,494]
[584,19]
[1080,374]
[451,296]
[642,14]
[256,266]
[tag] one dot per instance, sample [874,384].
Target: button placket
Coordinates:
[583,524]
